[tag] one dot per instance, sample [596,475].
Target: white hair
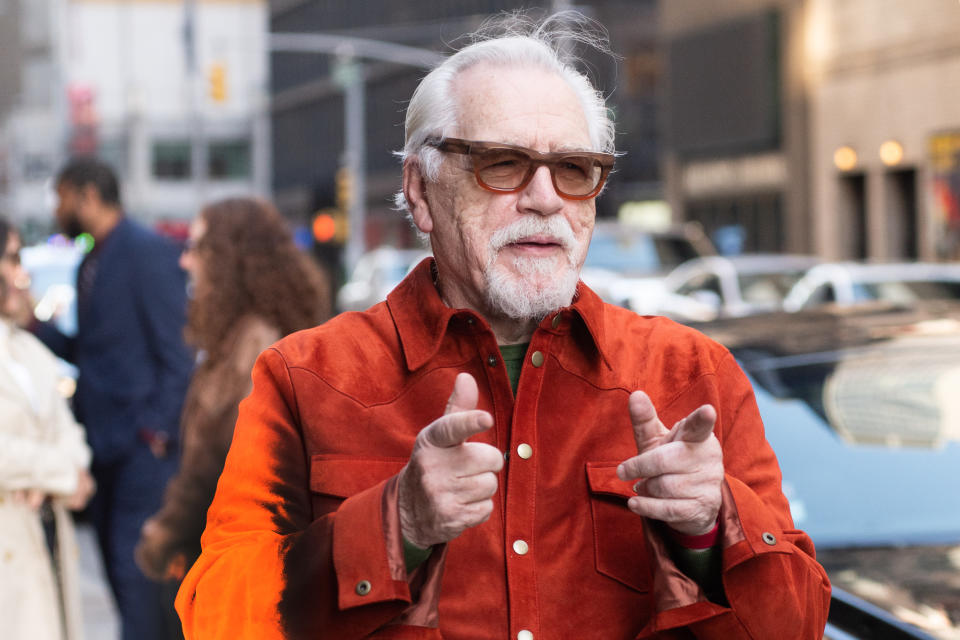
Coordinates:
[516,40]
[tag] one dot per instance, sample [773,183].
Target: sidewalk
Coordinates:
[99,611]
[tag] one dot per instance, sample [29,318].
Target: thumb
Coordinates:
[465,394]
[697,426]
[460,419]
[647,428]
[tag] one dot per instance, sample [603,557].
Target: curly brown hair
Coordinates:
[252,267]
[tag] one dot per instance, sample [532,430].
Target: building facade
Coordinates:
[172,94]
[818,126]
[884,82]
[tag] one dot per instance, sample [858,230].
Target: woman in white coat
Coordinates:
[44,459]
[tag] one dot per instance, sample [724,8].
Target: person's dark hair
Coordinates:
[252,266]
[80,172]
[5,230]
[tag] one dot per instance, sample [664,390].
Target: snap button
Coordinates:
[492,361]
[769,538]
[525,635]
[537,359]
[525,451]
[556,321]
[520,547]
[363,587]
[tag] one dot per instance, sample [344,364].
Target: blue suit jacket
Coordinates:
[134,365]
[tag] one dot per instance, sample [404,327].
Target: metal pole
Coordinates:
[198,146]
[350,74]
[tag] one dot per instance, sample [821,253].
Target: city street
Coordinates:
[99,613]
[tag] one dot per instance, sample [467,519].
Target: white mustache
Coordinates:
[556,227]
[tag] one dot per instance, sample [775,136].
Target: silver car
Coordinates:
[733,286]
[848,283]
[376,273]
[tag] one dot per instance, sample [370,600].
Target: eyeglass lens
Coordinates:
[509,168]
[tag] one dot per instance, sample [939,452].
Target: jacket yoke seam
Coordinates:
[404,389]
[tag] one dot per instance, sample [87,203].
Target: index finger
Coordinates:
[454,428]
[696,427]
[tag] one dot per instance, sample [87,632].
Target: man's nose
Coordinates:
[540,196]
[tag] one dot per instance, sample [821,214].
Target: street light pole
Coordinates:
[349,73]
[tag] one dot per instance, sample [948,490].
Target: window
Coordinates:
[171,159]
[229,159]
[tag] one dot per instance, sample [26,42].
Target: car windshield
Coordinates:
[636,252]
[767,288]
[868,439]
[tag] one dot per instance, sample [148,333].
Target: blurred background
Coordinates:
[785,160]
[804,126]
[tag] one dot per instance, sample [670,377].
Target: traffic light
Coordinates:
[330,226]
[217,82]
[344,180]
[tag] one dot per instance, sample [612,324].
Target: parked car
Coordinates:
[625,264]
[862,409]
[847,283]
[733,286]
[376,273]
[52,267]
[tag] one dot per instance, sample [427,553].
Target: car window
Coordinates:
[767,288]
[672,251]
[861,437]
[700,282]
[626,253]
[823,294]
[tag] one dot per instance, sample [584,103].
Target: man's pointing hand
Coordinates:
[679,470]
[448,484]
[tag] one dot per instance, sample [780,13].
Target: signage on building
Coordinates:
[761,172]
[945,192]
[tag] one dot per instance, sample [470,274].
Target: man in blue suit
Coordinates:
[134,368]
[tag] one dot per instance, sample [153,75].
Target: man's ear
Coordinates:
[415,191]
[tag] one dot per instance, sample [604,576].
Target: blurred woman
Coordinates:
[250,287]
[44,461]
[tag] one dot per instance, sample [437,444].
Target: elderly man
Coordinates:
[486,454]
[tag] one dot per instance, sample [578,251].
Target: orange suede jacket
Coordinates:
[302,539]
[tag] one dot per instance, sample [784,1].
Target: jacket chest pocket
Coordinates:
[620,548]
[336,477]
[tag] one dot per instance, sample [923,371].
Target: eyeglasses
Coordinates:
[504,168]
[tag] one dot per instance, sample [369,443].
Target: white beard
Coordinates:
[536,291]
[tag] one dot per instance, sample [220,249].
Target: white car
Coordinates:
[625,264]
[733,286]
[377,272]
[848,283]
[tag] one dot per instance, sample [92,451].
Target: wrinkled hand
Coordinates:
[86,487]
[448,484]
[680,470]
[33,498]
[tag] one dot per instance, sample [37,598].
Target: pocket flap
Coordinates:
[344,476]
[602,478]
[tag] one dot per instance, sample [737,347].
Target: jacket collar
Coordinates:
[422,318]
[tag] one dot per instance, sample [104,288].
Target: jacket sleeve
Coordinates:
[55,340]
[773,585]
[206,440]
[161,300]
[268,568]
[50,463]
